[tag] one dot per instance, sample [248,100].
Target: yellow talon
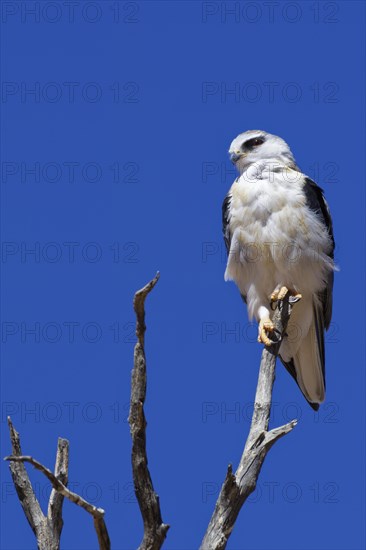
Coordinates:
[265,325]
[280,294]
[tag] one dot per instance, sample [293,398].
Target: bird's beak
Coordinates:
[235,156]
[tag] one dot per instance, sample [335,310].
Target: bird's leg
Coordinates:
[280,292]
[265,323]
[265,326]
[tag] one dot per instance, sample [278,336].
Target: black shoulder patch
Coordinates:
[316,202]
[226,221]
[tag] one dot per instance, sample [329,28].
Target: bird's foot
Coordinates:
[280,293]
[265,326]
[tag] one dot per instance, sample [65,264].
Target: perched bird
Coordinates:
[279,237]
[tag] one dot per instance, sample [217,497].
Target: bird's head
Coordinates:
[256,146]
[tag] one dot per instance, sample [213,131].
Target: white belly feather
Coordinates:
[275,239]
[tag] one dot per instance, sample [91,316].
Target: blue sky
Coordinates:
[116,120]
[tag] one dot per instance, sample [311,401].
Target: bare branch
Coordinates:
[237,487]
[97,513]
[154,528]
[47,529]
[23,485]
[54,512]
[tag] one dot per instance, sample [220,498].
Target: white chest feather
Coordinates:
[275,238]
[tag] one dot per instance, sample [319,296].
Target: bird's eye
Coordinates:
[251,143]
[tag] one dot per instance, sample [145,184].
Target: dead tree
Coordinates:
[47,529]
[235,489]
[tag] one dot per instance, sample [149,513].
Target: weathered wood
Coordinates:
[59,487]
[237,487]
[54,511]
[154,529]
[47,529]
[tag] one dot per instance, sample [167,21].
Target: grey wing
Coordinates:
[316,202]
[226,228]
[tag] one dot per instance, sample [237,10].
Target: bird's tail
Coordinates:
[307,362]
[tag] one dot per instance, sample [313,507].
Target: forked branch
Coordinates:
[47,529]
[235,489]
